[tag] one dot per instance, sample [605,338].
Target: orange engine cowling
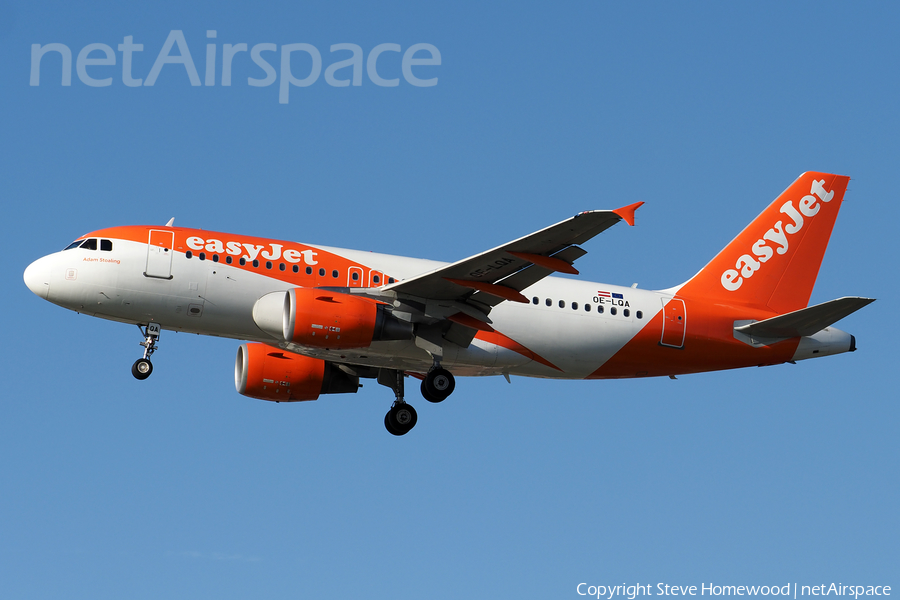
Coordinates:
[267,373]
[333,320]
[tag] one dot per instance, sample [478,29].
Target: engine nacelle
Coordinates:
[267,373]
[324,319]
[329,320]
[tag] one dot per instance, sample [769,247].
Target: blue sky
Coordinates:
[177,487]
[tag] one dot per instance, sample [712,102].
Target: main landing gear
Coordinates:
[402,417]
[438,384]
[142,367]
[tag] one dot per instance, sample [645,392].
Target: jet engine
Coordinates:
[267,373]
[324,319]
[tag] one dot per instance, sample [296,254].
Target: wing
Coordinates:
[486,279]
[452,303]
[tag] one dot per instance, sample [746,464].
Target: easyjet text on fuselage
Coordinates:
[271,251]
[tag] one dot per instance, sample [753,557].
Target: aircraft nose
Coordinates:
[37,277]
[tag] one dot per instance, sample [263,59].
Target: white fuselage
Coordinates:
[214,298]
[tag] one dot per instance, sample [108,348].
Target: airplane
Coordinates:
[316,320]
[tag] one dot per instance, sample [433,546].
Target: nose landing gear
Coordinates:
[142,367]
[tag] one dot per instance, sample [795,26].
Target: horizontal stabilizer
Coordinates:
[806,321]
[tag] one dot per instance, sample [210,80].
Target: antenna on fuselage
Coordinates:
[171,222]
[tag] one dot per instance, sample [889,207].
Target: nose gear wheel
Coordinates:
[141,368]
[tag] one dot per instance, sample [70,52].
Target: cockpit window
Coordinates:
[90,244]
[74,244]
[106,245]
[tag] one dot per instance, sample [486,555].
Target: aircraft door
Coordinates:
[674,320]
[159,254]
[355,277]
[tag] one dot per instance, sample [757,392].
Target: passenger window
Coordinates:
[202,256]
[256,262]
[243,261]
[106,245]
[90,244]
[296,268]
[321,272]
[282,266]
[334,274]
[626,312]
[639,315]
[74,244]
[587,308]
[612,310]
[562,303]
[309,270]
[215,258]
[535,300]
[574,306]
[600,309]
[228,259]
[548,302]
[268,264]
[188,254]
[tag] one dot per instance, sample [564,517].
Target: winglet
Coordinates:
[627,212]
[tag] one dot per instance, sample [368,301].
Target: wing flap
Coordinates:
[530,275]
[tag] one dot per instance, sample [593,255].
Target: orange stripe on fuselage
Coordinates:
[237,246]
[709,345]
[498,339]
[768,269]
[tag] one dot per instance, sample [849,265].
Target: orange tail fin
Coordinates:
[774,262]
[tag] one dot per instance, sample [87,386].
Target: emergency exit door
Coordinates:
[355,277]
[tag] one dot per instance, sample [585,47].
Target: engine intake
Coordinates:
[267,373]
